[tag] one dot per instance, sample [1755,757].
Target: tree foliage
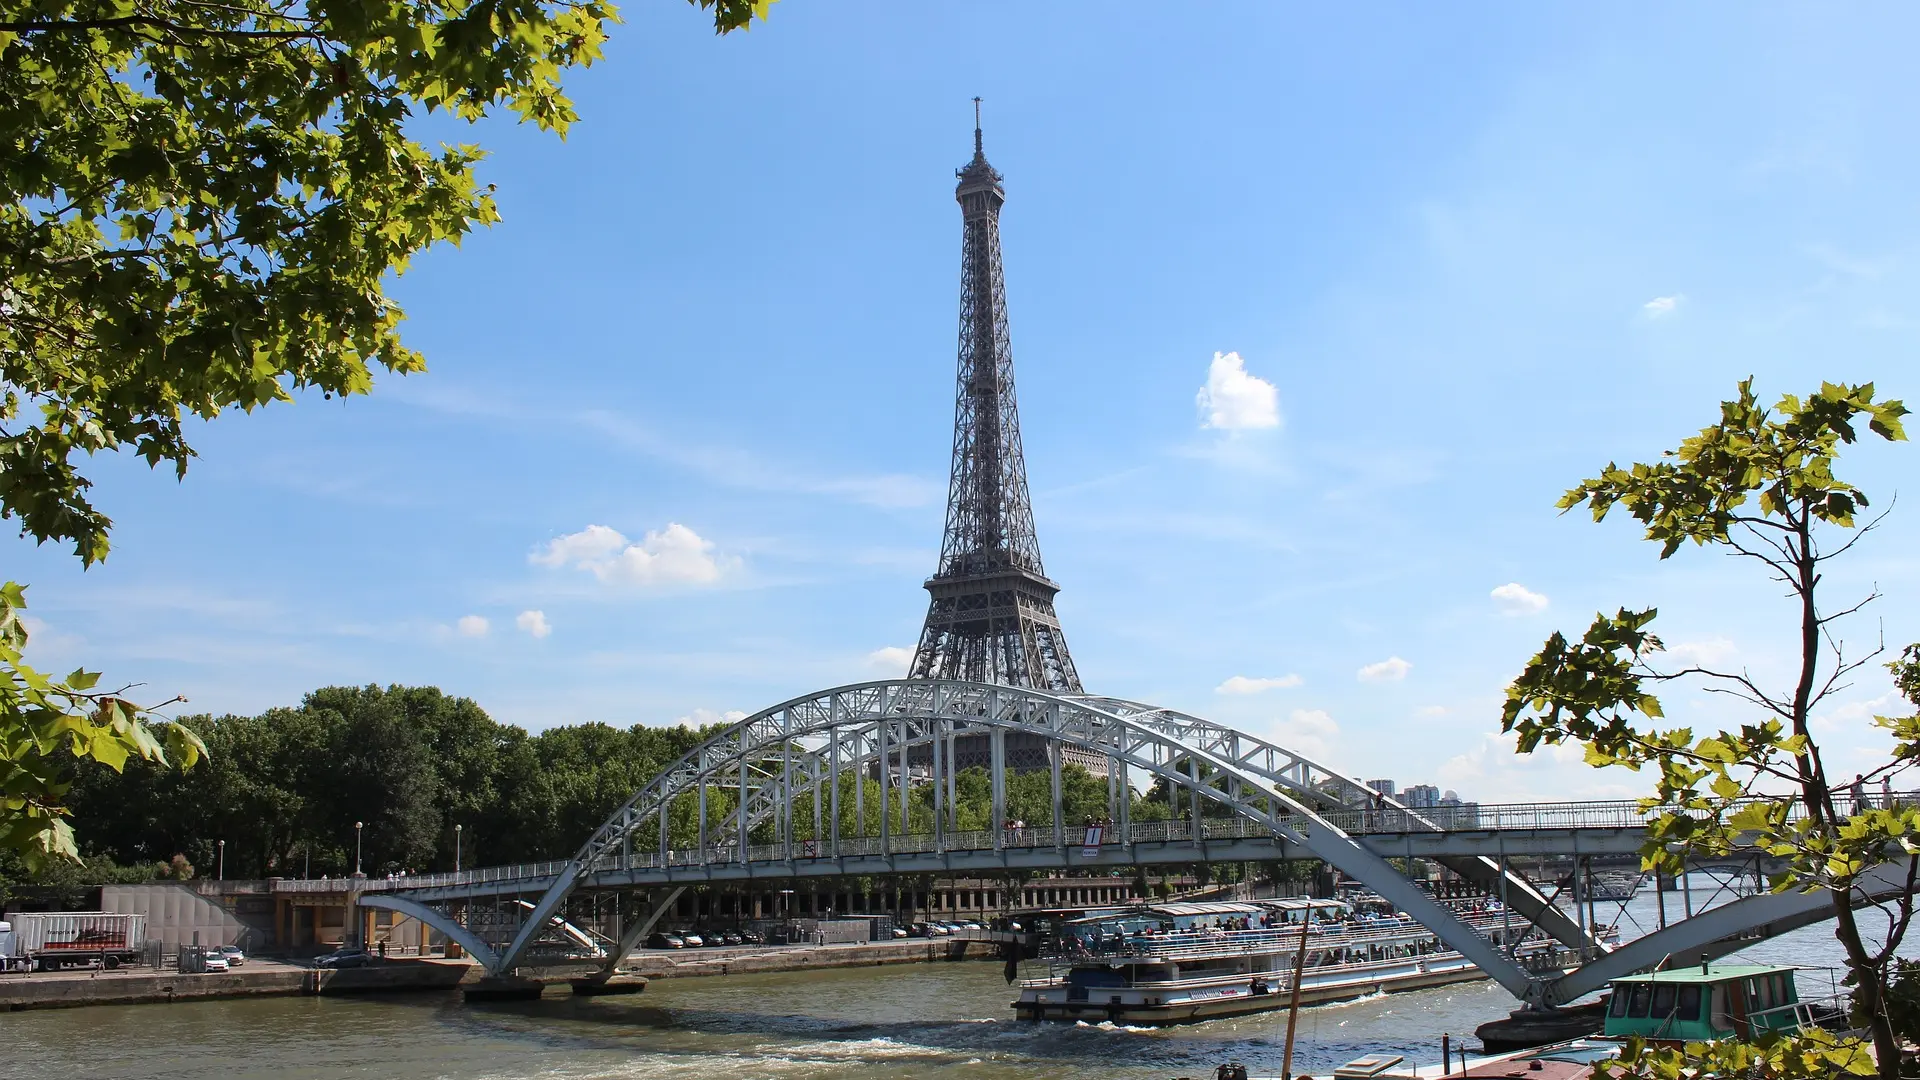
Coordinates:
[284,788]
[200,206]
[47,723]
[1812,1055]
[1760,485]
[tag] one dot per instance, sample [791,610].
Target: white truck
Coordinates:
[52,940]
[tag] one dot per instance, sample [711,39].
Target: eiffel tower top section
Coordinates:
[991,618]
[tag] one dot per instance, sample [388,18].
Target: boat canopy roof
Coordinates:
[1713,974]
[1207,909]
[1253,908]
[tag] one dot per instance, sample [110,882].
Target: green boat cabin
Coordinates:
[1704,1003]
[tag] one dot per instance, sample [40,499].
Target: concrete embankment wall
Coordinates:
[677,964]
[177,915]
[51,990]
[48,990]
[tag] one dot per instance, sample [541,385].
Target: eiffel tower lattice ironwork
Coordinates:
[991,616]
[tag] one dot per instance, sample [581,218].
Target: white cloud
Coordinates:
[1234,400]
[1859,714]
[472,626]
[1662,306]
[675,555]
[1709,652]
[533,622]
[1490,772]
[1307,731]
[703,717]
[1431,710]
[1392,669]
[1516,599]
[891,661]
[1241,684]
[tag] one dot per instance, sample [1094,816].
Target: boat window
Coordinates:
[1720,1018]
[1637,1008]
[1780,994]
[1619,1006]
[1663,1000]
[1689,1006]
[1760,994]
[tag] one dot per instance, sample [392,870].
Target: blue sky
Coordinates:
[690,402]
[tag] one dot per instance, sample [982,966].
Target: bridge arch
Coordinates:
[1723,929]
[440,920]
[769,757]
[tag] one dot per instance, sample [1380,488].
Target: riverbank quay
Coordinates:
[691,963]
[135,986]
[265,978]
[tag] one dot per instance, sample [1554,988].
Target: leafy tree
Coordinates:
[1813,1055]
[42,716]
[1760,484]
[200,205]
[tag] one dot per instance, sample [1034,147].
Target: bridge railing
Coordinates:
[1360,821]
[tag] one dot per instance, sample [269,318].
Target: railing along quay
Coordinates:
[1358,821]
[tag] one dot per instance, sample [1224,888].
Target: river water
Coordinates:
[925,1020]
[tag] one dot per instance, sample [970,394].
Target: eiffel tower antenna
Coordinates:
[991,615]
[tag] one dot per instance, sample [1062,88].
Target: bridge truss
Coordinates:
[767,797]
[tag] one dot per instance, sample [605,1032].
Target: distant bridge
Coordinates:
[788,772]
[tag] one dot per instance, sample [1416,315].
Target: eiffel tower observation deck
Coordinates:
[991,616]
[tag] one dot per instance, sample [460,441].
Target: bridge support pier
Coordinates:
[619,984]
[629,940]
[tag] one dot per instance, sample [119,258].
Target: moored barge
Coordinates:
[1179,963]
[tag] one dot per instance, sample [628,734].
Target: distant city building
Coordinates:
[1381,787]
[1420,796]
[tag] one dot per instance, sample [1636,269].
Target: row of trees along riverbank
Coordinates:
[284,788]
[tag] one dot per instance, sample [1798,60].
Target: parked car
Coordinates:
[900,932]
[971,925]
[716,939]
[733,938]
[215,962]
[347,956]
[662,940]
[692,941]
[233,955]
[753,937]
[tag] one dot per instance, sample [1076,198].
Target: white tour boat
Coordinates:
[1174,963]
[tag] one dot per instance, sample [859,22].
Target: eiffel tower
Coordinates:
[991,616]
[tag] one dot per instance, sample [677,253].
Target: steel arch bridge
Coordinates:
[783,772]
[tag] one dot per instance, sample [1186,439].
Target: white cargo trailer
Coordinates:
[51,940]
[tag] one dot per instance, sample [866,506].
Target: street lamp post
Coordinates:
[456,847]
[356,847]
[221,873]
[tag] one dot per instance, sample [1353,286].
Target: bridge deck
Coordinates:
[1613,827]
